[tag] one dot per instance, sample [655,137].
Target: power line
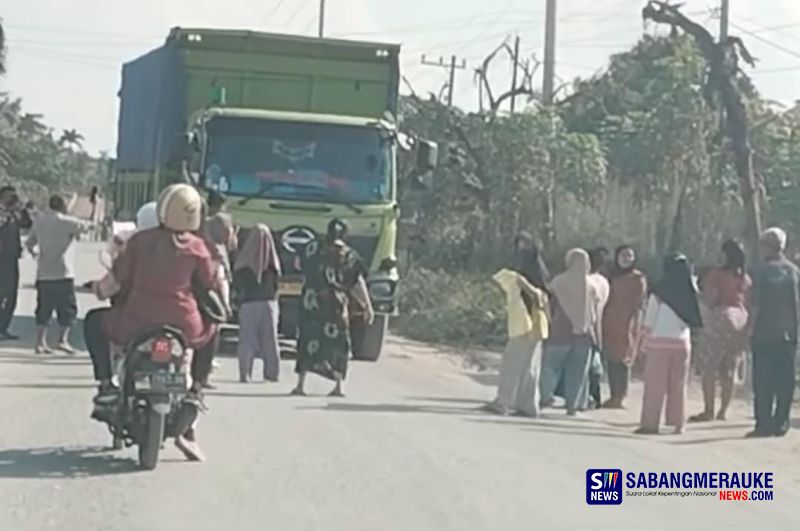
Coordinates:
[778,70]
[273,12]
[294,14]
[758,37]
[441,26]
[82,32]
[452,67]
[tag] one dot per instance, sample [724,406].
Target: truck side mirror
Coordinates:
[427,156]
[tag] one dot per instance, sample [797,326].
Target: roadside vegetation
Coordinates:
[635,154]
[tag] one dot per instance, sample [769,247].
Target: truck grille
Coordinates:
[364,245]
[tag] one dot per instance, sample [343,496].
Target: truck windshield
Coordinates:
[303,161]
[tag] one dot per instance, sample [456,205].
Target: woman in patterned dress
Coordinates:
[333,273]
[724,340]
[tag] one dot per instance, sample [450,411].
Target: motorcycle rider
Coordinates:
[157,273]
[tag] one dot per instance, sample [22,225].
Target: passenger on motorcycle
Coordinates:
[157,273]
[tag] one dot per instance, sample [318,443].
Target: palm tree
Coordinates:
[71,137]
[30,125]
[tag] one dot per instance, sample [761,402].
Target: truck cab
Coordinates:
[294,131]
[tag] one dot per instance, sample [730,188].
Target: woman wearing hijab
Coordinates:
[333,273]
[726,290]
[621,323]
[518,388]
[156,272]
[146,219]
[672,311]
[568,349]
[255,276]
[529,263]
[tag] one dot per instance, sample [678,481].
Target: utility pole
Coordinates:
[724,20]
[548,93]
[321,18]
[452,67]
[548,86]
[514,75]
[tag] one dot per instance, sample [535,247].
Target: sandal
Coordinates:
[701,417]
[66,348]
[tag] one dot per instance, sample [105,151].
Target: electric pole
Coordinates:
[724,20]
[548,93]
[514,75]
[548,85]
[452,67]
[321,18]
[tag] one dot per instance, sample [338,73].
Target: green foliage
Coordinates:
[635,154]
[494,172]
[32,154]
[440,307]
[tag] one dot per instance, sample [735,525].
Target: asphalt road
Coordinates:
[406,450]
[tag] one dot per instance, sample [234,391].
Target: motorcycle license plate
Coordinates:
[161,381]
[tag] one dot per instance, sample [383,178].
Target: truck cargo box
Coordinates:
[162,89]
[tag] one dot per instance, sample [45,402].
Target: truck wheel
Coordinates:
[368,344]
[150,445]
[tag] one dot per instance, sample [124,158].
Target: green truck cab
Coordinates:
[294,131]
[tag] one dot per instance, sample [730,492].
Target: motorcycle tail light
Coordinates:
[161,350]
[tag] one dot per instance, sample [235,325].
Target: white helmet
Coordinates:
[147,217]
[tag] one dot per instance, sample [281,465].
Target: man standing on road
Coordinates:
[221,236]
[10,253]
[55,233]
[776,319]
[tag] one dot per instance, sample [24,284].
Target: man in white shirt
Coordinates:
[54,234]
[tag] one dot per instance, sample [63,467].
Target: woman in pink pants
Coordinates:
[672,311]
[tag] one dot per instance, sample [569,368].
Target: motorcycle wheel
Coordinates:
[150,445]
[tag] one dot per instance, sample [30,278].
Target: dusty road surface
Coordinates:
[406,450]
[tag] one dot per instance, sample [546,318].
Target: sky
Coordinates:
[65,57]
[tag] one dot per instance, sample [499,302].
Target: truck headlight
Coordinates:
[382,289]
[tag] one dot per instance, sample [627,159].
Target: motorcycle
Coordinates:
[153,402]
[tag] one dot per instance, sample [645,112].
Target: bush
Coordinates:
[440,307]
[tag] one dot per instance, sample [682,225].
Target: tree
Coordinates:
[723,84]
[31,154]
[71,138]
[656,128]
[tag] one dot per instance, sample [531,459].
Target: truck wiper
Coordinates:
[309,187]
[269,186]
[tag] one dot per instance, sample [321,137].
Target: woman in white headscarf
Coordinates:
[146,219]
[572,334]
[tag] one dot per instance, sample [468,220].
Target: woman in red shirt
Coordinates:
[155,273]
[726,290]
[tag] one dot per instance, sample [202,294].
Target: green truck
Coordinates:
[295,131]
